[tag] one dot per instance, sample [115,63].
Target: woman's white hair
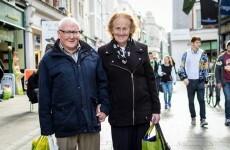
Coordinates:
[68,20]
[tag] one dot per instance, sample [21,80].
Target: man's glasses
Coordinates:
[68,33]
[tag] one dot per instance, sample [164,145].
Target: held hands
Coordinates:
[155,118]
[101,116]
[186,82]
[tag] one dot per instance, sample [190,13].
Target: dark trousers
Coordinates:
[128,137]
[217,94]
[196,86]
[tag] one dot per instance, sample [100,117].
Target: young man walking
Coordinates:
[194,73]
[222,74]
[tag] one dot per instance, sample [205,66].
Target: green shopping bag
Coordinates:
[41,143]
[151,143]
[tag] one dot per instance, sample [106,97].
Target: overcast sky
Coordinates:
[161,9]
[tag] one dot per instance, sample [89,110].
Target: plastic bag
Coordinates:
[41,143]
[6,93]
[52,142]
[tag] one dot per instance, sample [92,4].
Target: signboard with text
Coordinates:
[8,80]
[49,34]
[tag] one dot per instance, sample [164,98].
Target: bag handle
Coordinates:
[149,130]
[163,141]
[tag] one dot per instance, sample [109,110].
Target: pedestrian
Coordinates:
[222,73]
[168,78]
[194,73]
[217,89]
[132,87]
[72,85]
[153,63]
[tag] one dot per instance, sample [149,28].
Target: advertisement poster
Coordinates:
[27,73]
[8,80]
[49,34]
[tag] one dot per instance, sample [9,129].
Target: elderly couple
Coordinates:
[79,88]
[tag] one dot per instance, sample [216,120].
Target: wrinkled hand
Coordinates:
[101,116]
[186,82]
[219,85]
[155,118]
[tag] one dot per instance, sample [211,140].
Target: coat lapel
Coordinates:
[133,60]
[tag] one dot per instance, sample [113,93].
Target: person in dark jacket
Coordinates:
[32,87]
[168,78]
[222,74]
[132,87]
[72,86]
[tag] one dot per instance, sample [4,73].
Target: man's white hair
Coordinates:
[68,20]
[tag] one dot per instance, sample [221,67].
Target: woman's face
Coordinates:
[166,60]
[121,30]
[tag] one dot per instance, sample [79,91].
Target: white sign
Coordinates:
[49,34]
[8,80]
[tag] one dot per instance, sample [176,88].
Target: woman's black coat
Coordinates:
[132,86]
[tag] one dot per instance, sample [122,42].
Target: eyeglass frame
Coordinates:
[68,33]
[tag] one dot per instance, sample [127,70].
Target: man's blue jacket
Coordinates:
[69,92]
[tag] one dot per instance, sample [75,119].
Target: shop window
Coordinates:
[37,42]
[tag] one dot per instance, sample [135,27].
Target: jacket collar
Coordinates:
[133,60]
[56,51]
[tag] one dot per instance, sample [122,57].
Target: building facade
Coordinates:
[186,26]
[155,36]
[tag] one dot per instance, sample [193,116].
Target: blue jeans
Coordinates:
[226,89]
[167,89]
[196,86]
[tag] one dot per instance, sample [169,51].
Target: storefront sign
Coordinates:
[11,15]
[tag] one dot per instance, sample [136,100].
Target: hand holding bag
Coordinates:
[41,143]
[151,143]
[156,142]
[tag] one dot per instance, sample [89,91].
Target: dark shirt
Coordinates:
[227,68]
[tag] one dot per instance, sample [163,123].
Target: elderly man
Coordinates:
[73,97]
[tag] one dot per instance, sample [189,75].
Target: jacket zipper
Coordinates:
[132,84]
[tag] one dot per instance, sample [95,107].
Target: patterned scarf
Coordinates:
[123,55]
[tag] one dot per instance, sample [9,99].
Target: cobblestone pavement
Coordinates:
[19,126]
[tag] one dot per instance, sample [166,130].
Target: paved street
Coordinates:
[19,126]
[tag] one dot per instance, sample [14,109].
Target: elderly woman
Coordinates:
[132,87]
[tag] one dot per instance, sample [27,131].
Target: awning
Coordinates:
[9,25]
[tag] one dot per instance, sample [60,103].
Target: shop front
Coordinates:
[11,35]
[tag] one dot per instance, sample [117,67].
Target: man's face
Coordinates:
[196,44]
[69,36]
[151,56]
[121,30]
